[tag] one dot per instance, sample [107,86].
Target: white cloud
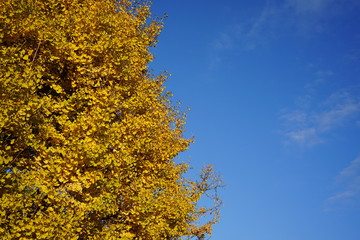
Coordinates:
[349,172]
[332,118]
[347,186]
[214,62]
[252,33]
[304,137]
[352,55]
[322,74]
[310,123]
[301,17]
[224,42]
[296,116]
[306,6]
[307,129]
[263,23]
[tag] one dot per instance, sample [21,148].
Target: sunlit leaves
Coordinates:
[88,137]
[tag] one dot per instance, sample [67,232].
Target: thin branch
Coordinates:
[37,49]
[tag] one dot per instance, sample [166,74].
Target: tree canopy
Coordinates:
[88,135]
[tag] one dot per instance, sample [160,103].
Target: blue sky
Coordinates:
[273,88]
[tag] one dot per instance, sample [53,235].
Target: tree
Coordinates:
[88,136]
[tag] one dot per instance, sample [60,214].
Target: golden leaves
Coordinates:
[87,136]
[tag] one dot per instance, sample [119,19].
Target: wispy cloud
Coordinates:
[301,17]
[309,128]
[305,137]
[337,115]
[250,34]
[353,54]
[308,6]
[347,187]
[349,172]
[225,41]
[310,123]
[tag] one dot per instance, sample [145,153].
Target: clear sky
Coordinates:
[274,92]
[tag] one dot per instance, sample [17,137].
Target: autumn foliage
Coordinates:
[88,136]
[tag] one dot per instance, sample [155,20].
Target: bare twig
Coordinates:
[37,49]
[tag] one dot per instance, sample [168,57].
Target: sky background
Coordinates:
[274,92]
